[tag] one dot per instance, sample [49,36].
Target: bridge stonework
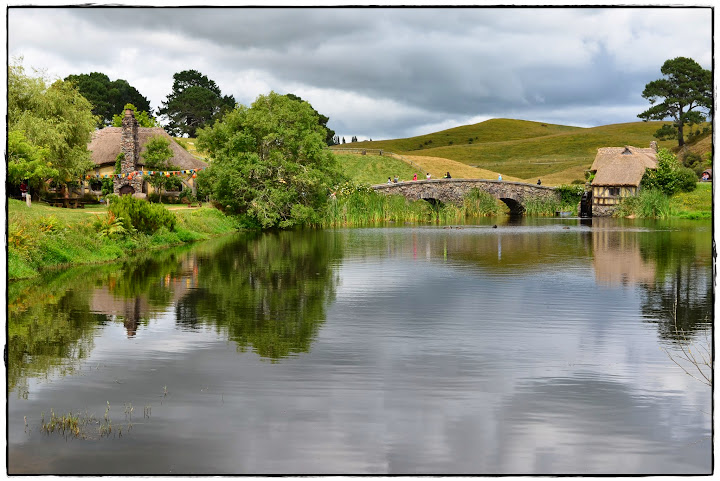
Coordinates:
[514,194]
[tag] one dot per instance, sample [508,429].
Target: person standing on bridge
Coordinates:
[414,176]
[389,180]
[447,176]
[539,183]
[395,180]
[499,176]
[427,176]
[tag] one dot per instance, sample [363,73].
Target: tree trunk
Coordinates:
[681,140]
[680,121]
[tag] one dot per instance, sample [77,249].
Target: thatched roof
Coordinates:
[622,166]
[105,146]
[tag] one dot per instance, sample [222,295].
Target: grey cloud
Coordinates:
[432,64]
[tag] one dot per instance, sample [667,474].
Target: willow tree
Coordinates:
[269,162]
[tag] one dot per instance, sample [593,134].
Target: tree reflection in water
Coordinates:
[50,326]
[269,293]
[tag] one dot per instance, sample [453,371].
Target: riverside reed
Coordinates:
[360,205]
[650,203]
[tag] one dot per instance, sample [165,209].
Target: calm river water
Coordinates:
[542,346]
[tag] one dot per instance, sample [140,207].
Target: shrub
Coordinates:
[109,226]
[570,194]
[687,179]
[669,177]
[141,215]
[107,186]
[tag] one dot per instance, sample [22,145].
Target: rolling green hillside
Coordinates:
[493,130]
[521,148]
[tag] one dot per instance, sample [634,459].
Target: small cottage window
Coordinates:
[614,191]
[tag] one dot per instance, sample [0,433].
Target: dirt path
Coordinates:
[438,166]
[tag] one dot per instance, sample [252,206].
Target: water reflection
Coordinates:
[425,349]
[617,259]
[50,326]
[269,293]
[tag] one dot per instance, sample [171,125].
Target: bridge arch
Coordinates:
[514,205]
[513,194]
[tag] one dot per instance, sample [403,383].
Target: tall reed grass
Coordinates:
[649,203]
[478,203]
[360,205]
[538,206]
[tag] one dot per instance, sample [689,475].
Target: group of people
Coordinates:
[415,177]
[446,176]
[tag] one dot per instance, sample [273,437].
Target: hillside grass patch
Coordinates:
[374,169]
[697,204]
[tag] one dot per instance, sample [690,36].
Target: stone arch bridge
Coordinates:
[513,194]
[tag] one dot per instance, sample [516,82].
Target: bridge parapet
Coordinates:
[514,194]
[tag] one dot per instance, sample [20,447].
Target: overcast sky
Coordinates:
[382,73]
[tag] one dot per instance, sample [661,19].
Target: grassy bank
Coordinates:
[683,205]
[43,237]
[693,205]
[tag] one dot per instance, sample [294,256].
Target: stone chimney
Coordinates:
[129,142]
[653,145]
[130,147]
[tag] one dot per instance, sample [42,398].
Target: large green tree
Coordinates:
[270,162]
[195,102]
[322,120]
[54,119]
[108,97]
[682,94]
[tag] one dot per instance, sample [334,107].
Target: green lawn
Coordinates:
[693,205]
[374,169]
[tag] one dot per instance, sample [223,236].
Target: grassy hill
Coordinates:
[493,130]
[522,149]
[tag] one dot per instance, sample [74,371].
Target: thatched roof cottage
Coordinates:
[131,140]
[618,172]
